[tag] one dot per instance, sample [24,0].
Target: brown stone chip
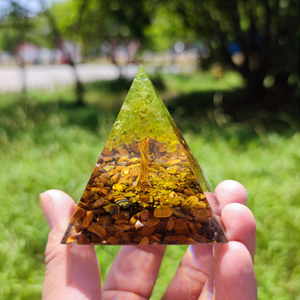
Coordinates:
[82,205]
[202,212]
[78,228]
[123,227]
[106,152]
[135,147]
[134,160]
[176,239]
[124,215]
[79,222]
[144,215]
[79,213]
[155,239]
[123,151]
[120,221]
[95,238]
[99,211]
[162,211]
[200,238]
[144,241]
[170,225]
[133,220]
[104,220]
[104,192]
[99,230]
[96,190]
[192,227]
[174,162]
[152,221]
[191,201]
[88,219]
[99,203]
[181,228]
[147,231]
[105,176]
[137,239]
[178,213]
[112,230]
[82,239]
[119,168]
[122,159]
[160,226]
[107,158]
[112,240]
[115,178]
[191,241]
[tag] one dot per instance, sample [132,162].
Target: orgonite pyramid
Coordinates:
[147,187]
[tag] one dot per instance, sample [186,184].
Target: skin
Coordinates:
[220,272]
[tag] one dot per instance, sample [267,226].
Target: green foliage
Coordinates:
[166,29]
[9,39]
[48,143]
[17,26]
[92,22]
[204,81]
[259,39]
[39,33]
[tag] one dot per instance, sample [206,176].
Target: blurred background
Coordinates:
[228,71]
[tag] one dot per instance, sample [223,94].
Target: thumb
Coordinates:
[72,271]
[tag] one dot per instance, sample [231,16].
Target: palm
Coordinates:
[206,271]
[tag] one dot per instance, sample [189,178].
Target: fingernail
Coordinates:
[47,206]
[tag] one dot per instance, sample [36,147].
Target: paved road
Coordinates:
[49,77]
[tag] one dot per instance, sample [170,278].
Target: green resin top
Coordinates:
[142,115]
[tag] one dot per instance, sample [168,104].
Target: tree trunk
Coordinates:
[21,64]
[255,90]
[79,89]
[57,42]
[112,56]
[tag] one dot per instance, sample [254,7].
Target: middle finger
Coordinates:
[133,273]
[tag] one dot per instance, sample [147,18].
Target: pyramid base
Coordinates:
[174,231]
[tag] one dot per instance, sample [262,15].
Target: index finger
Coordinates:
[230,191]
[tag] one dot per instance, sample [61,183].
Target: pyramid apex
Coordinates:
[141,73]
[141,69]
[142,115]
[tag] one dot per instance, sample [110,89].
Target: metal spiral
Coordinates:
[143,177]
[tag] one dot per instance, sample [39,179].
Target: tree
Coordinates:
[112,22]
[256,38]
[15,25]
[57,40]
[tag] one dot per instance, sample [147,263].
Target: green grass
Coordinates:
[47,143]
[203,82]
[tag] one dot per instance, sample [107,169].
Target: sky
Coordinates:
[34,6]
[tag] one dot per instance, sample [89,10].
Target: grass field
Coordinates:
[46,143]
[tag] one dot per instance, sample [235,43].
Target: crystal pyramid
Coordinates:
[147,187]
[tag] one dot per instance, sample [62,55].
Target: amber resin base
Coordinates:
[147,187]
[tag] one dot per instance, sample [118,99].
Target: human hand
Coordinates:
[219,271]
